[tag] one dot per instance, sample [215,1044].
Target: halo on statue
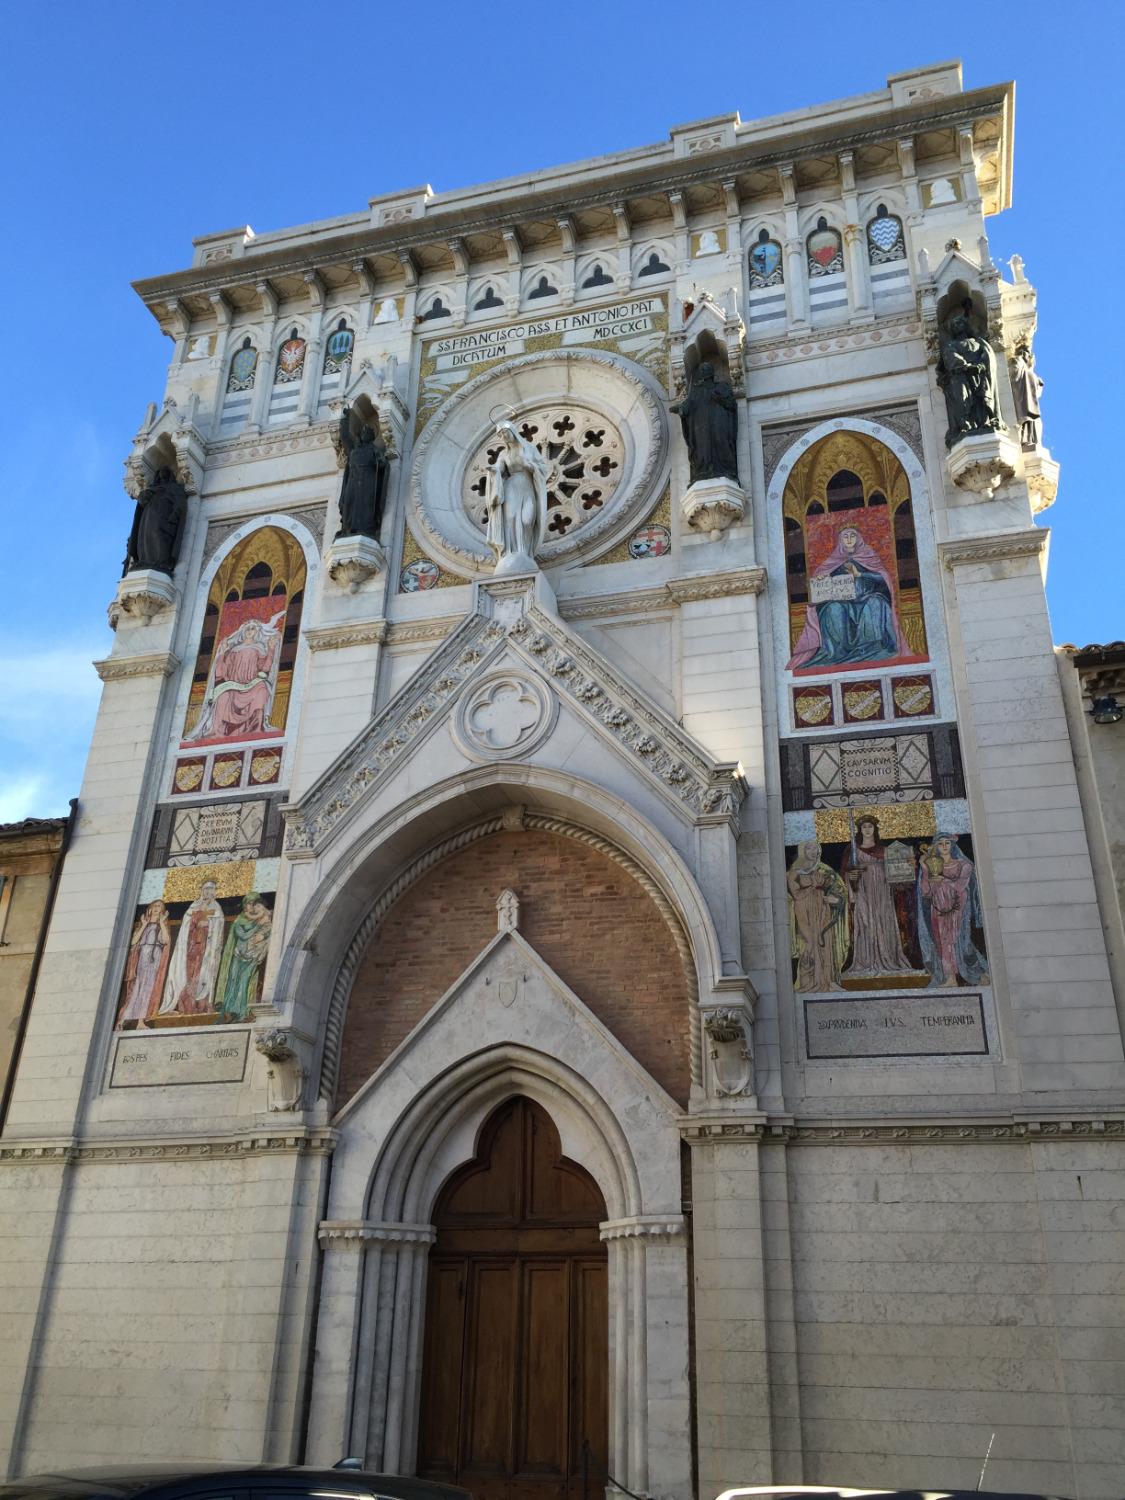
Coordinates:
[503,411]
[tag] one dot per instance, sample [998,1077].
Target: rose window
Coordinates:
[586,458]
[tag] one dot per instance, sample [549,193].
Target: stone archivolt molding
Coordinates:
[151,664]
[345,977]
[336,637]
[215,1148]
[1029,542]
[632,402]
[904,421]
[707,791]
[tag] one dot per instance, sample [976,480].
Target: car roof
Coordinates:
[778,1491]
[132,1479]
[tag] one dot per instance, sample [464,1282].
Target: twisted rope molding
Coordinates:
[345,978]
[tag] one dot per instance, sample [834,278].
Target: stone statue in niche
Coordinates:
[158,525]
[709,419]
[1026,390]
[967,377]
[365,478]
[517,501]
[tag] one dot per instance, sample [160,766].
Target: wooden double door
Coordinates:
[514,1392]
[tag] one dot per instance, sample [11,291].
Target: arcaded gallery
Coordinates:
[579,965]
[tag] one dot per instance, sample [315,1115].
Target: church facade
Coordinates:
[579,963]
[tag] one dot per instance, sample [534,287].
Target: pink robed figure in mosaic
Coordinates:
[948,909]
[862,627]
[147,965]
[241,687]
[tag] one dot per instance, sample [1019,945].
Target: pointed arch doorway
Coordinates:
[514,1390]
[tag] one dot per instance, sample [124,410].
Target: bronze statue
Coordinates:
[709,419]
[158,525]
[365,479]
[967,376]
[1026,390]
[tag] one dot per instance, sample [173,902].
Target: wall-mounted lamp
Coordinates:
[1107,710]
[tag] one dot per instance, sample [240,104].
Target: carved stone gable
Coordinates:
[502,674]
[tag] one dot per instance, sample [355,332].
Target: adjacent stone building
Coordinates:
[579,962]
[31,855]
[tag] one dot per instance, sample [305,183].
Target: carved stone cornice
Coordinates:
[638,174]
[407,632]
[717,585]
[150,664]
[665,596]
[336,637]
[1010,1129]
[644,1227]
[241,450]
[357,1234]
[995,547]
[634,602]
[197,1148]
[802,345]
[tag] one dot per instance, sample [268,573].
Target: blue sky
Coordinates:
[128,128]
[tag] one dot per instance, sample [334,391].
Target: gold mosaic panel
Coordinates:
[233,878]
[897,820]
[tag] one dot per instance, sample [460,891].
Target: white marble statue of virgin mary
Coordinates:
[517,502]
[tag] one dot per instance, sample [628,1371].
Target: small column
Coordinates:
[314,350]
[796,288]
[460,301]
[649,1399]
[969,185]
[514,252]
[567,281]
[909,179]
[330,1411]
[855,244]
[624,277]
[263,375]
[683,245]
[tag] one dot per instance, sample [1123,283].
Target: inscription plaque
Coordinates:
[835,586]
[927,1025]
[155,1060]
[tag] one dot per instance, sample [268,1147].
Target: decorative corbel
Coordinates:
[285,1077]
[728,1030]
[362,273]
[409,270]
[267,297]
[314,283]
